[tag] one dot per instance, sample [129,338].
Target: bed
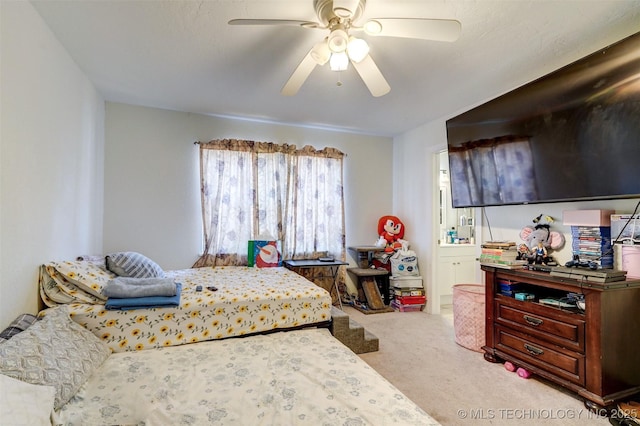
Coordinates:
[297,377]
[247,300]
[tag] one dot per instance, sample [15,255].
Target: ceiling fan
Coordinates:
[340,47]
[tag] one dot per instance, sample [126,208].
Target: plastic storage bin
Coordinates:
[469,315]
[631,260]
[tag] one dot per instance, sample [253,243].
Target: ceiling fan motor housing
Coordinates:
[324,10]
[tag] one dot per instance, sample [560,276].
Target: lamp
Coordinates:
[338,39]
[339,61]
[358,49]
[372,27]
[320,52]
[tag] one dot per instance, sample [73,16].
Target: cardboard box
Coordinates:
[406,308]
[412,300]
[264,253]
[587,217]
[406,282]
[407,291]
[631,234]
[524,296]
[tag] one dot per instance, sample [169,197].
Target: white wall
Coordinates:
[414,161]
[152,195]
[415,187]
[415,201]
[51,155]
[507,221]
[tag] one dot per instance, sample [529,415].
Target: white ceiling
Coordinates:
[182,55]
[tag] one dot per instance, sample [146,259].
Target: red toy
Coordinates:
[391,229]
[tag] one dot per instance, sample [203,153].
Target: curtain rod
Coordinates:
[200,143]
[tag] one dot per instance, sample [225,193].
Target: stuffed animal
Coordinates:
[538,240]
[391,232]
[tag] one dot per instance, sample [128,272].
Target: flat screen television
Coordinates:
[571,135]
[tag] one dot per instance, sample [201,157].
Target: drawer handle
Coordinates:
[533,350]
[533,320]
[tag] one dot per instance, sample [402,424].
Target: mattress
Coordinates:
[296,377]
[247,301]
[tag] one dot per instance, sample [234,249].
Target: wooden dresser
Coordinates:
[595,352]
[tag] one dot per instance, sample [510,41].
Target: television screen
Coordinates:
[571,135]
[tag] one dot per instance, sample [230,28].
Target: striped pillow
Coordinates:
[17,325]
[132,264]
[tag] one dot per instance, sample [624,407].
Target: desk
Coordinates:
[334,267]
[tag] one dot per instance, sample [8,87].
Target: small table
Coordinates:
[334,267]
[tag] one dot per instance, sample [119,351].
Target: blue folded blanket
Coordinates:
[127,303]
[139,287]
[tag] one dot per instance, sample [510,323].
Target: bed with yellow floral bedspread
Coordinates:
[246,301]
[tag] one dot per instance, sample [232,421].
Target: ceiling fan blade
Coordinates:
[424,29]
[372,77]
[287,22]
[299,76]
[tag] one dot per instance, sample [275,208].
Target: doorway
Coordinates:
[456,248]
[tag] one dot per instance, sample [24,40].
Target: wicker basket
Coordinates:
[469,315]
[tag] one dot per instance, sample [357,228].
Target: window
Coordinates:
[256,188]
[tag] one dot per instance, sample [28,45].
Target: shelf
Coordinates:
[586,352]
[367,272]
[364,254]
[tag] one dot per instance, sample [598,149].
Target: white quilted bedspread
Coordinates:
[285,378]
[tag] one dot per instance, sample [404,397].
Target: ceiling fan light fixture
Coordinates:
[372,27]
[357,49]
[321,53]
[338,40]
[339,61]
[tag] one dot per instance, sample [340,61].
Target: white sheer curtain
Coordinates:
[315,213]
[254,188]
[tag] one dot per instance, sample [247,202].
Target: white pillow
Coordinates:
[55,351]
[24,404]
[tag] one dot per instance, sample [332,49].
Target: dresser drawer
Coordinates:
[558,361]
[548,324]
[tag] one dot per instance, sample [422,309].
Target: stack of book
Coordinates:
[404,301]
[509,287]
[502,254]
[408,294]
[593,244]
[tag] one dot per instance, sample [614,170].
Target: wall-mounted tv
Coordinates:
[571,135]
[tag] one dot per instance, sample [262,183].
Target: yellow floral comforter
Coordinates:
[247,301]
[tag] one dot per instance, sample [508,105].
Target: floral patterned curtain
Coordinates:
[253,188]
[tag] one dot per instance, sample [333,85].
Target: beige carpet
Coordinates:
[455,385]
